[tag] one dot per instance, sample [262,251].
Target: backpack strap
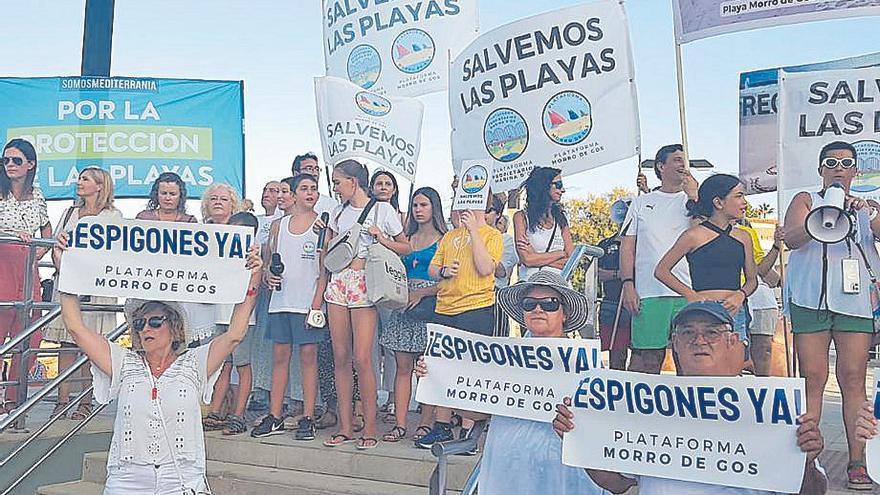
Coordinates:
[366,211]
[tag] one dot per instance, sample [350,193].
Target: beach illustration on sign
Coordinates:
[412,51]
[474,179]
[505,134]
[868,178]
[567,118]
[364,66]
[371,104]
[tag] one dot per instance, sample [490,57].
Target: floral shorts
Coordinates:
[348,288]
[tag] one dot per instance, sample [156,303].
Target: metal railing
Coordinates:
[442,451]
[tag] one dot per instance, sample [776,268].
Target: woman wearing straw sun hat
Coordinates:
[546,307]
[158,445]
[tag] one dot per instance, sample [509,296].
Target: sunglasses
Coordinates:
[710,335]
[548,304]
[832,162]
[17,160]
[557,184]
[153,322]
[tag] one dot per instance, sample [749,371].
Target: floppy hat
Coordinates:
[132,305]
[712,308]
[573,303]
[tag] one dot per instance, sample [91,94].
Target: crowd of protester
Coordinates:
[683,258]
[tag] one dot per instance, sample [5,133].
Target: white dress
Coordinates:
[148,431]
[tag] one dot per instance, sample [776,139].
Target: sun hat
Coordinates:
[574,304]
[712,308]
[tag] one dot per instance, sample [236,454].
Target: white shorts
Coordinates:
[140,479]
[764,322]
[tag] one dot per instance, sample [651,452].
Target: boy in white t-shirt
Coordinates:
[653,223]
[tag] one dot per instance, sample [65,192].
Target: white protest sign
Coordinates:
[816,108]
[162,261]
[872,448]
[731,431]
[473,188]
[555,90]
[396,47]
[695,19]
[359,124]
[515,377]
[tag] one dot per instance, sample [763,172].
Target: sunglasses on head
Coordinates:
[548,304]
[153,322]
[17,160]
[831,162]
[557,184]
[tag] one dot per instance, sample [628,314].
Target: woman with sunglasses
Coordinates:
[522,456]
[23,214]
[543,239]
[158,445]
[821,310]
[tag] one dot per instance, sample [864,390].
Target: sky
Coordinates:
[276,48]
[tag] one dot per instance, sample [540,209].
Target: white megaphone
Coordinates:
[828,222]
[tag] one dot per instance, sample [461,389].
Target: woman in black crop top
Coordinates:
[718,255]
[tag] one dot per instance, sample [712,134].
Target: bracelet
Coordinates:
[627,280]
[873,214]
[251,292]
[442,272]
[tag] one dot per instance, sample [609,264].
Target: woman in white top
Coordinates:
[297,290]
[351,314]
[158,445]
[94,197]
[543,239]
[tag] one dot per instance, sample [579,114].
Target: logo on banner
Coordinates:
[412,51]
[868,153]
[373,105]
[567,118]
[505,134]
[475,179]
[364,66]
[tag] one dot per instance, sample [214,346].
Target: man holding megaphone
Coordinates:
[828,289]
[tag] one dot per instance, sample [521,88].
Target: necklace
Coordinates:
[159,369]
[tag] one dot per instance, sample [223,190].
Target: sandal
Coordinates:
[324,422]
[421,431]
[338,439]
[82,411]
[367,443]
[395,435]
[359,423]
[234,425]
[57,411]
[857,476]
[213,422]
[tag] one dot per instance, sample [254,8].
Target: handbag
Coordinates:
[343,249]
[55,275]
[386,278]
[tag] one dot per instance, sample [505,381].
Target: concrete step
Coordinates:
[242,479]
[77,487]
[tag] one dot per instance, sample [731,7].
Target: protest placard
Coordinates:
[872,448]
[360,124]
[396,47]
[816,108]
[731,431]
[135,128]
[554,89]
[758,125]
[473,185]
[696,19]
[515,377]
[162,261]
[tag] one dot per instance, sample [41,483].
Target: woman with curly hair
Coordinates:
[543,239]
[167,201]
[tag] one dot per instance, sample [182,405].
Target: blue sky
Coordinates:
[276,48]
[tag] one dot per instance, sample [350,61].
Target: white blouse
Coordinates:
[139,436]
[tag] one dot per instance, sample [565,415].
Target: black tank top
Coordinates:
[719,263]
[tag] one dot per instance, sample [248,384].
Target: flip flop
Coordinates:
[367,443]
[338,439]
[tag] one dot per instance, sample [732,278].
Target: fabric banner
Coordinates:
[816,108]
[872,448]
[359,124]
[135,128]
[758,127]
[396,47]
[515,377]
[161,261]
[696,19]
[730,431]
[555,90]
[473,188]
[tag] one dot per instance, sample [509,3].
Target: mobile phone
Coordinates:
[850,276]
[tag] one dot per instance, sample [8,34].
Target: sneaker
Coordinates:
[306,429]
[269,426]
[463,434]
[441,432]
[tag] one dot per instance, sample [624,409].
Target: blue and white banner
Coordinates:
[515,377]
[364,125]
[396,47]
[555,89]
[695,19]
[161,261]
[729,431]
[758,126]
[135,128]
